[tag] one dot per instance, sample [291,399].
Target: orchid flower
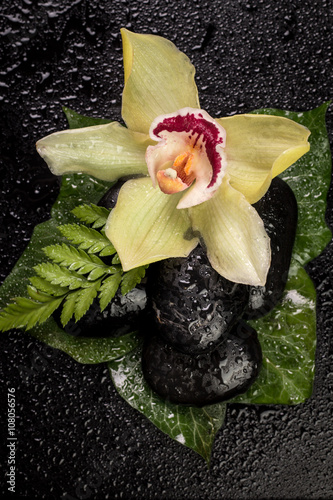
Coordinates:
[194,177]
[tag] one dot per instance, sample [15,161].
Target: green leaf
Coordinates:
[77,120]
[57,275]
[26,313]
[132,278]
[37,295]
[74,189]
[78,260]
[288,340]
[84,349]
[86,237]
[107,251]
[108,290]
[69,256]
[69,307]
[97,273]
[190,426]
[288,334]
[46,287]
[92,214]
[85,299]
[116,260]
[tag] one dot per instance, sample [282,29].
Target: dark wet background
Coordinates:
[75,435]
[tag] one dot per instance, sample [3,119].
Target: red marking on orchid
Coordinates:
[189,153]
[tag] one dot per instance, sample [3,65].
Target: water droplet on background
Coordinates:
[248,55]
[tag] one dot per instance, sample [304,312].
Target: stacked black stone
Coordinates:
[200,350]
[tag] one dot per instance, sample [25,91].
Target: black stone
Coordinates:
[109,200]
[124,314]
[194,306]
[278,210]
[207,378]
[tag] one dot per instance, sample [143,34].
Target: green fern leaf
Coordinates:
[26,313]
[86,237]
[116,260]
[96,273]
[109,289]
[131,278]
[37,295]
[92,214]
[58,275]
[78,260]
[46,287]
[75,276]
[107,251]
[69,256]
[84,299]
[69,307]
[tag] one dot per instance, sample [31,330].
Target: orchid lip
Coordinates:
[189,154]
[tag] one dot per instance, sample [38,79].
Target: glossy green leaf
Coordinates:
[108,290]
[74,258]
[190,426]
[288,334]
[288,341]
[132,278]
[310,178]
[76,120]
[85,299]
[86,237]
[46,287]
[84,349]
[57,275]
[26,312]
[92,214]
[75,190]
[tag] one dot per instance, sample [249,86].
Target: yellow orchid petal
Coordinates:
[145,225]
[260,147]
[159,79]
[237,244]
[104,151]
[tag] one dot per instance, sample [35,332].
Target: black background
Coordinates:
[76,436]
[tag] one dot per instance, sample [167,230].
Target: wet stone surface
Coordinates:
[278,210]
[194,307]
[209,378]
[109,200]
[125,314]
[76,437]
